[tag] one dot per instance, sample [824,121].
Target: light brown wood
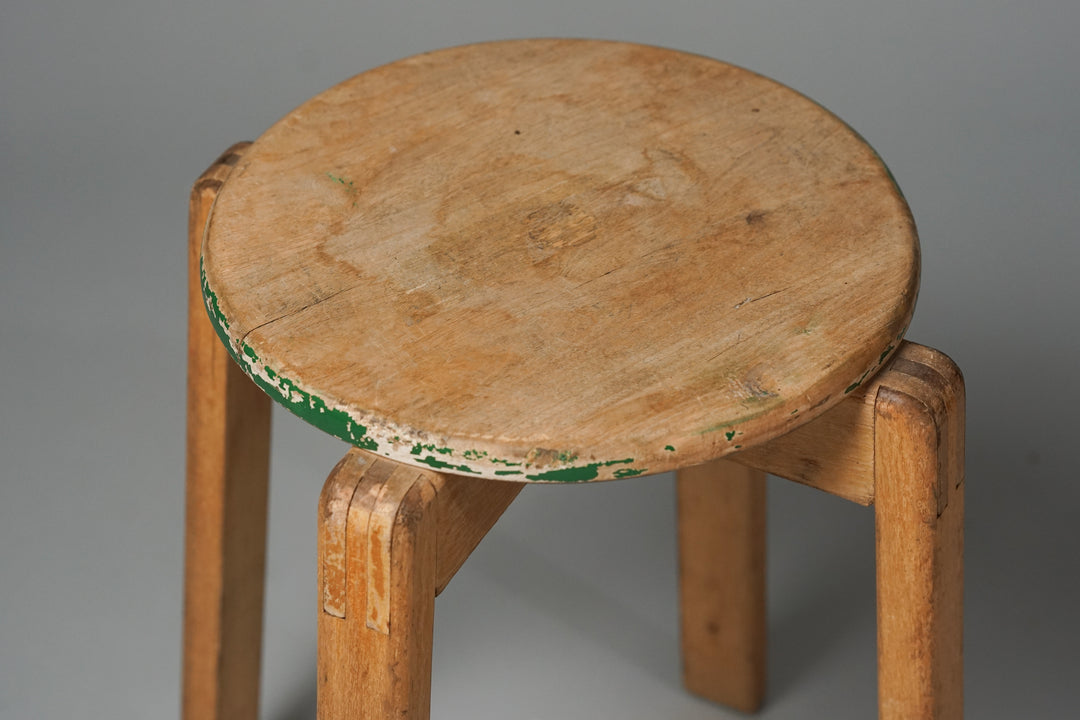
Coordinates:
[898,442]
[467,509]
[835,452]
[390,538]
[367,672]
[919,517]
[721,518]
[560,260]
[228,433]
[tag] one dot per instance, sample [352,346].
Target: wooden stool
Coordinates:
[560,261]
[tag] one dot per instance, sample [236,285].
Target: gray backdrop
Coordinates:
[109,109]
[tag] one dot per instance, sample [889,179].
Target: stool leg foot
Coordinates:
[377,577]
[919,517]
[721,519]
[228,433]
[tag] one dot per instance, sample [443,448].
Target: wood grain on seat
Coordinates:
[554,260]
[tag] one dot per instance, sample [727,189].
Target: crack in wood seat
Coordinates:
[559,260]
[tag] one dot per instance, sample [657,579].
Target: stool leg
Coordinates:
[376,591]
[228,431]
[898,441]
[919,516]
[721,509]
[390,539]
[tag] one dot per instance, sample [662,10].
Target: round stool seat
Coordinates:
[559,260]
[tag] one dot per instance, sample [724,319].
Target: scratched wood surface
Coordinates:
[557,260]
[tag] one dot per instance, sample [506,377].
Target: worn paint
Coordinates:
[869,371]
[580,473]
[311,408]
[857,383]
[507,463]
[348,184]
[347,426]
[438,464]
[341,180]
[419,448]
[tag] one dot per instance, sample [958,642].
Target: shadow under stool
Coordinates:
[560,261]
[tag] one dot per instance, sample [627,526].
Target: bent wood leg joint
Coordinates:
[836,452]
[919,521]
[391,537]
[896,442]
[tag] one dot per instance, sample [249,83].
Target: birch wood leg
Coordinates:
[919,516]
[721,509]
[228,432]
[897,442]
[390,537]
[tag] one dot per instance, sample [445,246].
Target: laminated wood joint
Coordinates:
[836,451]
[370,502]
[919,537]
